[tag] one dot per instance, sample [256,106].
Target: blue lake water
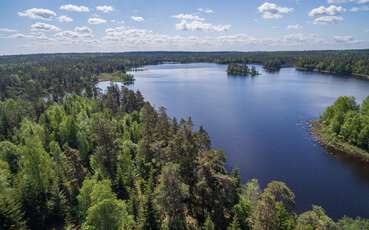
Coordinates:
[260,123]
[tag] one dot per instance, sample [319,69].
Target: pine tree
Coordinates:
[208,225]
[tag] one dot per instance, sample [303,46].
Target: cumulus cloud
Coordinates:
[294,27]
[80,34]
[273,11]
[64,18]
[39,26]
[188,17]
[328,20]
[330,10]
[137,18]
[38,13]
[201,26]
[83,30]
[74,8]
[104,8]
[205,10]
[96,21]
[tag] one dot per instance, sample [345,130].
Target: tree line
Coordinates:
[334,61]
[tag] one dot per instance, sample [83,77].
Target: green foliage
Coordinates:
[10,154]
[335,62]
[208,225]
[11,215]
[347,223]
[241,70]
[171,196]
[274,208]
[273,65]
[315,219]
[117,76]
[108,214]
[348,121]
[91,193]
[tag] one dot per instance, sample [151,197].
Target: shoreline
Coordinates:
[360,76]
[335,146]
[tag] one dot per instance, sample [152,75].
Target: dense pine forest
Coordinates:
[72,157]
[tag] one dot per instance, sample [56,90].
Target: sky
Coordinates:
[55,26]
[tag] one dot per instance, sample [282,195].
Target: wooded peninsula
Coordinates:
[344,128]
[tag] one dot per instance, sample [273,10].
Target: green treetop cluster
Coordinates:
[348,121]
[241,70]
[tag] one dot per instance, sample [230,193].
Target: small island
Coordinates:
[117,76]
[241,70]
[343,128]
[272,65]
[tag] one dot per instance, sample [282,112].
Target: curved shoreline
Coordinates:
[335,146]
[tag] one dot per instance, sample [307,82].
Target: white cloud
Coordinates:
[80,34]
[201,26]
[75,8]
[273,11]
[105,8]
[205,10]
[17,35]
[33,35]
[294,27]
[301,38]
[83,30]
[345,39]
[331,10]
[96,21]
[360,9]
[188,17]
[64,18]
[6,30]
[44,27]
[328,20]
[137,18]
[38,13]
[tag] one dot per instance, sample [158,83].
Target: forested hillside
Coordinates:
[74,158]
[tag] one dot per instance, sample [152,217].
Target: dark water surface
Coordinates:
[261,125]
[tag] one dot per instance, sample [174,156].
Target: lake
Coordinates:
[260,123]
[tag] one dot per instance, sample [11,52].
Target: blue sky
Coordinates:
[46,26]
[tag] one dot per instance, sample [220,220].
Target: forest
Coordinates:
[350,62]
[346,124]
[72,157]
